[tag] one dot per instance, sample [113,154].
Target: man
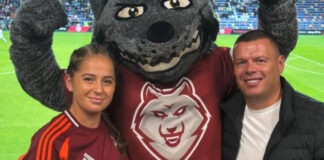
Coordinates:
[268,119]
[1,35]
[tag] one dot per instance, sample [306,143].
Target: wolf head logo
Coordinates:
[171,122]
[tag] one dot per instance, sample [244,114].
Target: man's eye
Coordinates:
[130,12]
[239,63]
[174,4]
[261,61]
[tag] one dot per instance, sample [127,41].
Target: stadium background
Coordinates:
[21,115]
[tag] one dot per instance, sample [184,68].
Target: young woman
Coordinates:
[81,132]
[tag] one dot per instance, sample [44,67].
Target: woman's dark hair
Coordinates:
[77,57]
[121,144]
[91,49]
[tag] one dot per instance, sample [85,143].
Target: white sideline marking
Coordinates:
[312,45]
[306,59]
[3,73]
[304,70]
[289,59]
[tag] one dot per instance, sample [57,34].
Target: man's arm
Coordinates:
[278,17]
[31,53]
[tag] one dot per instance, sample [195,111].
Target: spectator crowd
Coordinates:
[78,11]
[242,14]
[7,12]
[233,14]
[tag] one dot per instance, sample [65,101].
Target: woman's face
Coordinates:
[93,84]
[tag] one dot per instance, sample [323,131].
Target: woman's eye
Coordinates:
[87,79]
[174,4]
[107,82]
[130,12]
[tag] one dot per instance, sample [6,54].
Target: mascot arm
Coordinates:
[31,53]
[279,18]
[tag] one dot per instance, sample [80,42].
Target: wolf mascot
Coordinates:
[173,76]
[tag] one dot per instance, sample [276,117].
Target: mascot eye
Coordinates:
[160,114]
[180,111]
[174,4]
[130,12]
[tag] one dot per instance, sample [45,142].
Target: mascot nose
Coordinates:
[160,32]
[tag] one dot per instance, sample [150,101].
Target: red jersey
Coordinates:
[178,121]
[63,138]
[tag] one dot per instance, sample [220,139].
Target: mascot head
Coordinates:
[158,39]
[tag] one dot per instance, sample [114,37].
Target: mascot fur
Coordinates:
[172,75]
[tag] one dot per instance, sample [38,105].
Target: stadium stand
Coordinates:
[242,14]
[232,14]
[78,12]
[310,14]
[7,12]
[237,14]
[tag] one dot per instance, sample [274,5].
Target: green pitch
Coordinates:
[21,115]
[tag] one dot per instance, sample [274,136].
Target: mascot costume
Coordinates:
[172,75]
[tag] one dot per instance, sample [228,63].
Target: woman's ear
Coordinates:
[68,82]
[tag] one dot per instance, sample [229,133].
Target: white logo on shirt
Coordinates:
[170,123]
[86,156]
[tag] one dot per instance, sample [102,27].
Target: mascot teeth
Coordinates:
[149,60]
[195,35]
[155,64]
[148,67]
[124,55]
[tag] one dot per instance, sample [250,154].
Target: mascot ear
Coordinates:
[97,7]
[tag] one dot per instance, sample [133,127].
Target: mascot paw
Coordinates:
[40,17]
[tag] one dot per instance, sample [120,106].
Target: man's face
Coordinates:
[257,68]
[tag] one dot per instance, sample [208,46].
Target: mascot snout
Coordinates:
[160,32]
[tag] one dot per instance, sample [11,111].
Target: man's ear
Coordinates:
[97,6]
[281,61]
[68,82]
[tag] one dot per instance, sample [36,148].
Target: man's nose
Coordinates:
[251,67]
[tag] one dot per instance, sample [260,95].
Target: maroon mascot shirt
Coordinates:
[179,121]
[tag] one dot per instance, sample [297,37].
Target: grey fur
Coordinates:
[137,37]
[35,65]
[281,21]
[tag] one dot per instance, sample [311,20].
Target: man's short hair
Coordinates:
[255,35]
